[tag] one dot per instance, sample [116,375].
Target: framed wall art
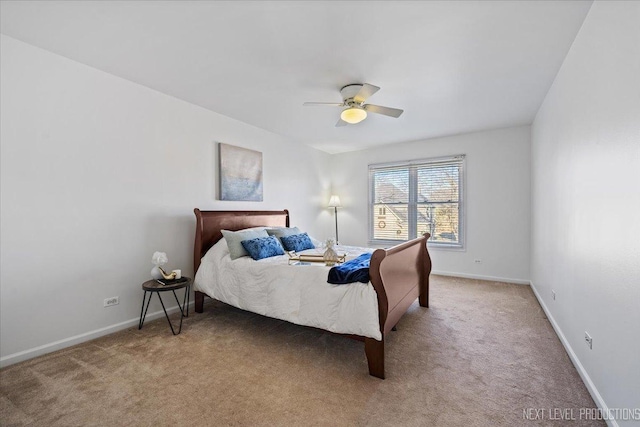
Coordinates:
[240,173]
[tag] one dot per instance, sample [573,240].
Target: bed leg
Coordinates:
[199,302]
[374,350]
[424,293]
[424,301]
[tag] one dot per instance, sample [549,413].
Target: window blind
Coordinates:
[408,199]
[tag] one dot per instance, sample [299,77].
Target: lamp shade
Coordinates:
[353,115]
[334,202]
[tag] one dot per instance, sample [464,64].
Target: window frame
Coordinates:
[413,166]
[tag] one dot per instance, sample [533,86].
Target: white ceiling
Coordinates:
[453,67]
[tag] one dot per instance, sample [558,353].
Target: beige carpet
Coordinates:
[480,355]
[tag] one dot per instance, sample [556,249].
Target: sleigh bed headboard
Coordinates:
[209,224]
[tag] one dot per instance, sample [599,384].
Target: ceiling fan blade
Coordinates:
[387,111]
[323,104]
[365,92]
[341,123]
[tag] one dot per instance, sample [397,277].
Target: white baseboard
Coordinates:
[77,339]
[595,394]
[479,277]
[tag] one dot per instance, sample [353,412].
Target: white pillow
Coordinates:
[281,232]
[234,240]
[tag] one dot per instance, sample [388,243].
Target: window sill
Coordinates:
[430,245]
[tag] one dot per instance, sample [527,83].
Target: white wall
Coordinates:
[497,199]
[97,173]
[586,202]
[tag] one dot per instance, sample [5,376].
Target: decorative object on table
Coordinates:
[178,273]
[330,256]
[334,202]
[158,260]
[167,276]
[240,173]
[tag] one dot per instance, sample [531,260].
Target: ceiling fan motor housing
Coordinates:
[348,92]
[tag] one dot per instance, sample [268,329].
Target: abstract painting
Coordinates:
[240,173]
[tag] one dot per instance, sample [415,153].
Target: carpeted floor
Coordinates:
[482,354]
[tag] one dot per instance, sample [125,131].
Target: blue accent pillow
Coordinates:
[297,242]
[263,247]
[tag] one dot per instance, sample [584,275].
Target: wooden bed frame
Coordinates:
[399,274]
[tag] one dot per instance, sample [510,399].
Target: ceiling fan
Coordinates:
[354,109]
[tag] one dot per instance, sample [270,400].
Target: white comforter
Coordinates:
[296,293]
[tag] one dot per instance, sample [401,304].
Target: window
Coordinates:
[411,198]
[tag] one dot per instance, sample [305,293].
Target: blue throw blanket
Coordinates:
[356,270]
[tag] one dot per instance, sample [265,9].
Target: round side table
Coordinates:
[152,286]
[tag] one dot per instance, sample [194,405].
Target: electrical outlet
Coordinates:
[477,261]
[111,301]
[553,294]
[589,340]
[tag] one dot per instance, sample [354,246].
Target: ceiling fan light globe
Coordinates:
[353,115]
